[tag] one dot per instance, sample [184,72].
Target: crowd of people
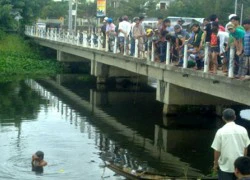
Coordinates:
[218,38]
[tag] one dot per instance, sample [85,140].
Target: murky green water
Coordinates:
[79,126]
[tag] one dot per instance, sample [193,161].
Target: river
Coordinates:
[80,126]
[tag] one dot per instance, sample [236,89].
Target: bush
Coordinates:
[18,58]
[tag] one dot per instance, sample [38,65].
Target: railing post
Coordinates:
[148,55]
[78,38]
[107,43]
[136,48]
[185,58]
[125,46]
[55,34]
[115,45]
[231,62]
[85,39]
[168,53]
[153,52]
[67,37]
[99,41]
[47,33]
[92,39]
[206,58]
[63,33]
[51,33]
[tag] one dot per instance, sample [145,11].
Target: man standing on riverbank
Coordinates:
[230,142]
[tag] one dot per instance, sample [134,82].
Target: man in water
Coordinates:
[37,161]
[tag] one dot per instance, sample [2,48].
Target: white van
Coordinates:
[41,25]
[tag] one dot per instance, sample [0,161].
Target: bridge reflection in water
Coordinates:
[107,132]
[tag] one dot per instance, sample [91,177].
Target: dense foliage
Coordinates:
[14,14]
[204,8]
[18,58]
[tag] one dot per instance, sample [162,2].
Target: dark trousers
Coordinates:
[226,176]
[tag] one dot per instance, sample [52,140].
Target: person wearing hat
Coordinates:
[246,70]
[110,32]
[138,34]
[181,36]
[238,40]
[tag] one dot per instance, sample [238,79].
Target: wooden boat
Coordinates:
[144,175]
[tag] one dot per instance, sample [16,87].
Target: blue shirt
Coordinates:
[247,43]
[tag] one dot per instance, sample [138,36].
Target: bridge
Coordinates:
[176,86]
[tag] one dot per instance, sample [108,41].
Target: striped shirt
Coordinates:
[247,43]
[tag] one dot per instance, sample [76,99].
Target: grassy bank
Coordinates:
[18,58]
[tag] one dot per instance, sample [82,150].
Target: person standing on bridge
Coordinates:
[230,142]
[124,31]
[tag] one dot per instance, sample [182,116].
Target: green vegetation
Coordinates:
[18,58]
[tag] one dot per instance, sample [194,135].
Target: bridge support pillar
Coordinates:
[66,57]
[179,100]
[105,72]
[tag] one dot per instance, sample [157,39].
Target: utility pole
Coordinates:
[241,13]
[70,16]
[235,7]
[75,15]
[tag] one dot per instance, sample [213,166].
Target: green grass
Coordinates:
[18,58]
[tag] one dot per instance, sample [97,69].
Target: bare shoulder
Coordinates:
[44,163]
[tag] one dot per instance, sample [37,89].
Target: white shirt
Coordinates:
[224,37]
[230,141]
[110,27]
[124,26]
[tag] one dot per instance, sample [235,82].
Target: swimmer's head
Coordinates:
[40,155]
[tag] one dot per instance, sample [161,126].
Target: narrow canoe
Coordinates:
[132,175]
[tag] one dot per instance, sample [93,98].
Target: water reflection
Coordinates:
[78,132]
[111,128]
[17,102]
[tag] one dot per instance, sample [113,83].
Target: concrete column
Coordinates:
[66,57]
[179,100]
[59,55]
[101,71]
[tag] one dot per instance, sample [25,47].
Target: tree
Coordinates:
[204,8]
[29,10]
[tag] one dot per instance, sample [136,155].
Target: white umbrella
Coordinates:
[245,114]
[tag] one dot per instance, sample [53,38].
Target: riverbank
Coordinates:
[18,58]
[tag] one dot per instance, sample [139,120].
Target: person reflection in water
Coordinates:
[37,162]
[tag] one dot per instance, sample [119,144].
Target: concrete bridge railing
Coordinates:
[176,86]
[97,41]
